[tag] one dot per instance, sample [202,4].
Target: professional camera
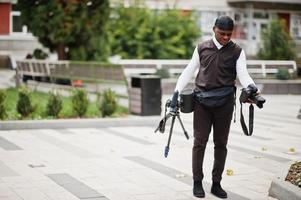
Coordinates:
[251,93]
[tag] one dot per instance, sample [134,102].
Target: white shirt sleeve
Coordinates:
[188,72]
[241,69]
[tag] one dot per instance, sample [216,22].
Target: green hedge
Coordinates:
[40,100]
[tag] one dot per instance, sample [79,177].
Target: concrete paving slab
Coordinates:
[7,145]
[178,175]
[5,171]
[76,187]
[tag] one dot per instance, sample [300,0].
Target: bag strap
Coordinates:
[251,120]
[234,104]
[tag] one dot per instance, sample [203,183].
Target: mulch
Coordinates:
[294,174]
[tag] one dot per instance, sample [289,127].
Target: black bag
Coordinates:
[187,101]
[215,97]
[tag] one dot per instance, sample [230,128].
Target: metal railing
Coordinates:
[270,66]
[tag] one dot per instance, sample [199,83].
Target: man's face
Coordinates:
[222,36]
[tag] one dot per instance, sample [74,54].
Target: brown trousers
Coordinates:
[204,118]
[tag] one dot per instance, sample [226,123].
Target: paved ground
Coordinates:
[127,162]
[6,78]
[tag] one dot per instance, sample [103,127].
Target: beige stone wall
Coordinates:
[17,47]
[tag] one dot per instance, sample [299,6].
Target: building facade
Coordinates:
[254,15]
[251,16]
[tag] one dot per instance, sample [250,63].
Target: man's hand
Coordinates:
[250,101]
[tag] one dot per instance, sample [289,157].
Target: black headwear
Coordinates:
[225,23]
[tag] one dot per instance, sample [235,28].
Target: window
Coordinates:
[261,15]
[237,17]
[296,26]
[206,20]
[240,27]
[16,23]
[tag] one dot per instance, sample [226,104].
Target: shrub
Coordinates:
[40,54]
[24,104]
[141,33]
[163,73]
[54,104]
[283,74]
[109,103]
[79,102]
[277,43]
[3,113]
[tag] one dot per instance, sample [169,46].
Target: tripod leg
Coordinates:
[169,137]
[185,132]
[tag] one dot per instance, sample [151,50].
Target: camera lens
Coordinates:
[259,100]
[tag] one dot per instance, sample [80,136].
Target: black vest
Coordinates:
[217,66]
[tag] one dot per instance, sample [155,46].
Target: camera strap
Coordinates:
[251,120]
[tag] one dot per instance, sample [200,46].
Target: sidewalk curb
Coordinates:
[80,123]
[282,189]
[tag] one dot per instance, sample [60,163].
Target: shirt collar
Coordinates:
[217,44]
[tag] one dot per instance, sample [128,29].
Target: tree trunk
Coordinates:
[61,51]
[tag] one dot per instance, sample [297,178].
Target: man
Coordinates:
[218,61]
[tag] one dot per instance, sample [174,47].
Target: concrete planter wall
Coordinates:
[280,86]
[267,86]
[284,190]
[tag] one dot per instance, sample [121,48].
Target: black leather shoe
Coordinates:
[218,191]
[198,190]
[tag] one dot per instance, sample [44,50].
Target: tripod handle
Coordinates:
[166,151]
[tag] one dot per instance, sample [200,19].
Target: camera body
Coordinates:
[251,93]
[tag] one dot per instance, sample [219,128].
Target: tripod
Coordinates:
[173,116]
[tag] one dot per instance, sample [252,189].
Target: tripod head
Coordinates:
[175,109]
[172,112]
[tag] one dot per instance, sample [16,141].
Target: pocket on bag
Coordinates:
[215,98]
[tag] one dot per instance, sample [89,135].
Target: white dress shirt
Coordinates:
[194,64]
